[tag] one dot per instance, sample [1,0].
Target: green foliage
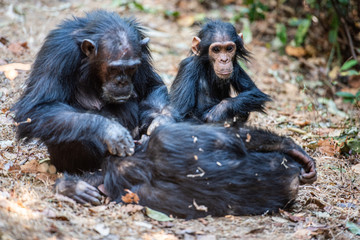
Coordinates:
[156,215]
[281,33]
[349,97]
[349,140]
[301,31]
[349,64]
[169,13]
[256,9]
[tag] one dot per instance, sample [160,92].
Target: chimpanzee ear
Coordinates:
[241,36]
[144,41]
[195,46]
[88,47]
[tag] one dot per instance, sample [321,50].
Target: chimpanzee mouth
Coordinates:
[121,99]
[224,74]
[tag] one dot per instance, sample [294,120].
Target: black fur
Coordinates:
[184,165]
[198,92]
[64,100]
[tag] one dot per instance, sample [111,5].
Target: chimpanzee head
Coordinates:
[219,44]
[114,59]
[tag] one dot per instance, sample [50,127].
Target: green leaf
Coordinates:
[357,95]
[294,22]
[281,33]
[349,73]
[170,13]
[139,6]
[353,227]
[158,216]
[354,145]
[302,31]
[349,64]
[345,94]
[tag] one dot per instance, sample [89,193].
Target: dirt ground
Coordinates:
[29,209]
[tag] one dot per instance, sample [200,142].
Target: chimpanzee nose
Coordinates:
[224,59]
[122,82]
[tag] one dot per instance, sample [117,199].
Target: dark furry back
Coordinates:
[185,166]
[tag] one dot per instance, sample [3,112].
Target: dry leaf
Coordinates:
[47,178]
[200,207]
[328,147]
[131,208]
[18,48]
[295,51]
[293,218]
[130,197]
[32,166]
[302,123]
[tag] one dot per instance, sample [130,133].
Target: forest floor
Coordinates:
[327,209]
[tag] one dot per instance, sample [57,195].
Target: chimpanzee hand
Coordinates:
[308,170]
[159,120]
[217,113]
[118,140]
[80,191]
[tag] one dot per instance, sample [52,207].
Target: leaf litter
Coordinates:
[30,210]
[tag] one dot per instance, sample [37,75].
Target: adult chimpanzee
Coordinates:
[203,84]
[91,90]
[192,171]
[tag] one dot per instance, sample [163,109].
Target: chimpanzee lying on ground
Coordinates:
[91,88]
[203,84]
[191,171]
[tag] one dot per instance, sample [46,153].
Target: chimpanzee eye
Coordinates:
[216,49]
[229,48]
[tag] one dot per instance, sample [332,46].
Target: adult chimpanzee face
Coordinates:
[118,86]
[221,55]
[115,61]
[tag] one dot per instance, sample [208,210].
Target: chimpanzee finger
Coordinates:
[308,178]
[152,127]
[93,193]
[78,199]
[130,146]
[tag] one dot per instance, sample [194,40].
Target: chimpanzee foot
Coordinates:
[308,171]
[80,191]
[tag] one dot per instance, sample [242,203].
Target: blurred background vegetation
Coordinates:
[325,31]
[320,37]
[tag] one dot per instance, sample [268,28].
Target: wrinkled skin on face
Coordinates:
[115,63]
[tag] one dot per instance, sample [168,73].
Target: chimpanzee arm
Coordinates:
[57,122]
[258,140]
[153,97]
[183,89]
[154,110]
[249,99]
